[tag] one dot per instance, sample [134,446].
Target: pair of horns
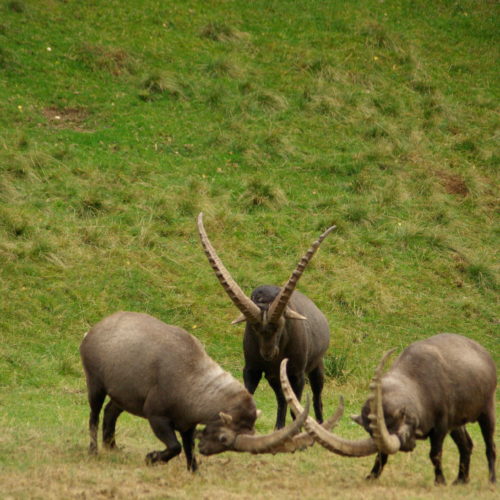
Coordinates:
[288,439]
[248,308]
[381,442]
[282,440]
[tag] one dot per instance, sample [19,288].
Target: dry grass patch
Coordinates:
[315,474]
[271,100]
[323,100]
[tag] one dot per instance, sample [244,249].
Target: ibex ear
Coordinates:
[357,419]
[290,313]
[400,413]
[239,319]
[226,419]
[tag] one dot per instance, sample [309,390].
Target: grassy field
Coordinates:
[121,120]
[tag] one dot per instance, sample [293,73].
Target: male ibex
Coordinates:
[434,387]
[280,323]
[162,373]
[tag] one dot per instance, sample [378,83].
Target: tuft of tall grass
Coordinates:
[114,60]
[221,32]
[336,364]
[159,84]
[222,67]
[260,194]
[15,222]
[16,6]
[271,100]
[478,273]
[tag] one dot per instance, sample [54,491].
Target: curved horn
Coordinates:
[279,303]
[330,441]
[386,443]
[250,310]
[304,439]
[274,442]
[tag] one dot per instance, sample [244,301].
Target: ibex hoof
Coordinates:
[440,481]
[153,457]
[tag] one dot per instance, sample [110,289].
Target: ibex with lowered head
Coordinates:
[434,387]
[162,373]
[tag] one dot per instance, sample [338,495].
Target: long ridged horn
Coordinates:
[273,442]
[304,439]
[330,441]
[386,443]
[240,300]
[280,302]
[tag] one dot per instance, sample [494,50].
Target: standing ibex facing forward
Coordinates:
[280,323]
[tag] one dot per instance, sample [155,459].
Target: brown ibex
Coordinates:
[434,387]
[162,373]
[280,323]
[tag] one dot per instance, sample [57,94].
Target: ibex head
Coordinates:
[267,310]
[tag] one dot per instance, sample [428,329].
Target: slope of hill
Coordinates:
[120,121]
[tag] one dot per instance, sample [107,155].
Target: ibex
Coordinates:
[162,373]
[280,323]
[434,387]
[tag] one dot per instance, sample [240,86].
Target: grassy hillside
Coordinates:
[120,121]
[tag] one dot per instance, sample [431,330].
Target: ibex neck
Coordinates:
[216,391]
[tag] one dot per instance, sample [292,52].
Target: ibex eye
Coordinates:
[224,439]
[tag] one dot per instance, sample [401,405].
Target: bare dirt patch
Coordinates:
[453,183]
[67,118]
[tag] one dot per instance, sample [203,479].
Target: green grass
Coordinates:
[121,121]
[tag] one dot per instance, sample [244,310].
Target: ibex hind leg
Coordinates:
[111,413]
[188,445]
[464,445]
[317,379]
[487,424]
[164,431]
[96,396]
